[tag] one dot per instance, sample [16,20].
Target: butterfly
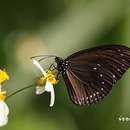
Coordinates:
[90,74]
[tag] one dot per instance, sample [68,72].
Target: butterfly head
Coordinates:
[59,60]
[62,65]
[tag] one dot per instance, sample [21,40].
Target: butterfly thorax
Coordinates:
[62,65]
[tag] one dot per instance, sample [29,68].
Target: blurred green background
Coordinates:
[61,27]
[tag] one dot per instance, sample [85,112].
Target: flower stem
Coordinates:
[20,90]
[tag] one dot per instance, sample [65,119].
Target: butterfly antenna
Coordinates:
[43,57]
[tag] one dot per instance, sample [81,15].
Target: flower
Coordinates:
[3,76]
[45,82]
[4,110]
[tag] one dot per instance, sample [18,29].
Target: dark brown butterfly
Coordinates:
[90,74]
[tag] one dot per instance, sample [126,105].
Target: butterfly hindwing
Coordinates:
[92,72]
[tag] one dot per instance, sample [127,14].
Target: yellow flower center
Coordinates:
[41,81]
[50,77]
[3,76]
[2,96]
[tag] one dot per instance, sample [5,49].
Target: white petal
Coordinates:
[4,108]
[3,120]
[4,111]
[52,98]
[35,62]
[40,90]
[49,88]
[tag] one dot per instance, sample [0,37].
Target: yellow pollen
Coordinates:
[3,76]
[50,77]
[2,96]
[41,81]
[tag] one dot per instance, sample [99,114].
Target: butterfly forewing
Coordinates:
[92,72]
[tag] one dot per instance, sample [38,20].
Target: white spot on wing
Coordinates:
[90,96]
[102,82]
[94,94]
[123,65]
[98,65]
[97,93]
[87,102]
[113,76]
[95,99]
[118,69]
[101,75]
[102,89]
[121,54]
